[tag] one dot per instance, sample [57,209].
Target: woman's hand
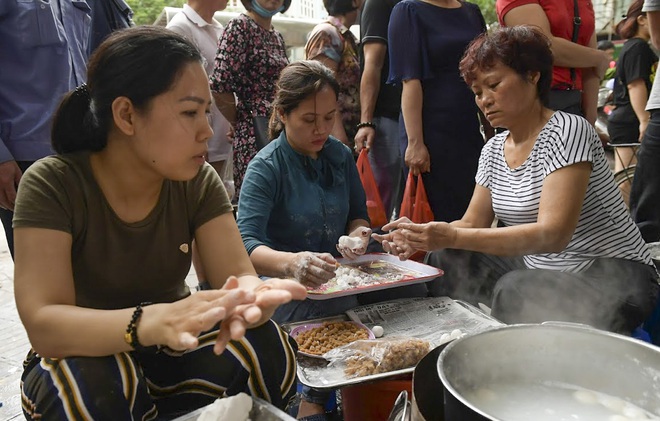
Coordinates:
[269,295]
[364,138]
[427,237]
[177,325]
[354,244]
[393,242]
[417,158]
[312,269]
[405,237]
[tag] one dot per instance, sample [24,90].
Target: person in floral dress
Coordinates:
[251,55]
[333,44]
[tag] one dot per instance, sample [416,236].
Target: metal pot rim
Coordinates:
[547,325]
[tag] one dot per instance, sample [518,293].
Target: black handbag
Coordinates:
[569,100]
[261,137]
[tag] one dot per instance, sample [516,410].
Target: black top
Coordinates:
[374,20]
[636,61]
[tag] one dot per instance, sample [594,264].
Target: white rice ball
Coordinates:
[378,331]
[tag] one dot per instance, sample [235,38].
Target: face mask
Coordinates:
[259,10]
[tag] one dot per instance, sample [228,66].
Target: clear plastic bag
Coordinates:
[368,357]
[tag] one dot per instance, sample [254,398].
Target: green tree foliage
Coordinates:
[487,9]
[145,12]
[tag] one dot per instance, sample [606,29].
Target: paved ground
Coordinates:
[13,339]
[14,343]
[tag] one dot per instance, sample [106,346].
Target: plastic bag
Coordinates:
[368,357]
[415,206]
[374,203]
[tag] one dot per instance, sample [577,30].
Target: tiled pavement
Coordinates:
[13,339]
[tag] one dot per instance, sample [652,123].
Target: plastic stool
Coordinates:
[652,325]
[641,334]
[372,401]
[330,405]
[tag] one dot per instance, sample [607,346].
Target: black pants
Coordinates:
[645,192]
[7,215]
[612,294]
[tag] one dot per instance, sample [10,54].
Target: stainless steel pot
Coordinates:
[547,354]
[427,400]
[424,404]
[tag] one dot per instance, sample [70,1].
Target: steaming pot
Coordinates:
[564,355]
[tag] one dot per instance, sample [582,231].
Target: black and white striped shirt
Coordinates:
[604,229]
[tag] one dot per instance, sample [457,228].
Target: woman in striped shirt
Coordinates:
[564,247]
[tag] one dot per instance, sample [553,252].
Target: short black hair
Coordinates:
[605,45]
[338,7]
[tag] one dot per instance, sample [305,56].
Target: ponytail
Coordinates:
[275,126]
[74,127]
[138,63]
[628,27]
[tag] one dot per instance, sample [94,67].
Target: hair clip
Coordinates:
[82,91]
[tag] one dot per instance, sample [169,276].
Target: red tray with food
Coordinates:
[371,272]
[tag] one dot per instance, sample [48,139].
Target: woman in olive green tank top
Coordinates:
[104,233]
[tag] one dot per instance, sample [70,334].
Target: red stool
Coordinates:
[372,401]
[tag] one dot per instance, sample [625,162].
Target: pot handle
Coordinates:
[401,409]
[568,324]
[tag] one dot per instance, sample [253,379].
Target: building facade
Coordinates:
[300,9]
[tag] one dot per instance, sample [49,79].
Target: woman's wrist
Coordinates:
[363,124]
[139,335]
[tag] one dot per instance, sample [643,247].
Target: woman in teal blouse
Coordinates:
[302,192]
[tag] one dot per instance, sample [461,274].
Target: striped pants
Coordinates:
[139,386]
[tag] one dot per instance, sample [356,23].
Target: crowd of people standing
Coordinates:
[147,149]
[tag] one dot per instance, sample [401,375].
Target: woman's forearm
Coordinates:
[569,54]
[590,87]
[411,108]
[226,103]
[270,262]
[638,98]
[518,240]
[59,330]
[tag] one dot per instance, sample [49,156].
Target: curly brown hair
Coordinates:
[523,48]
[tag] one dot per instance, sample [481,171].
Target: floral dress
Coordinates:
[248,64]
[337,42]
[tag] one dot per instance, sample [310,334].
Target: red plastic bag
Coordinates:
[415,206]
[374,203]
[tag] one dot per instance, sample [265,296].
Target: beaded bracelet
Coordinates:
[366,124]
[131,336]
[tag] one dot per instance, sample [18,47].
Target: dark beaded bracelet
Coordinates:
[131,336]
[366,124]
